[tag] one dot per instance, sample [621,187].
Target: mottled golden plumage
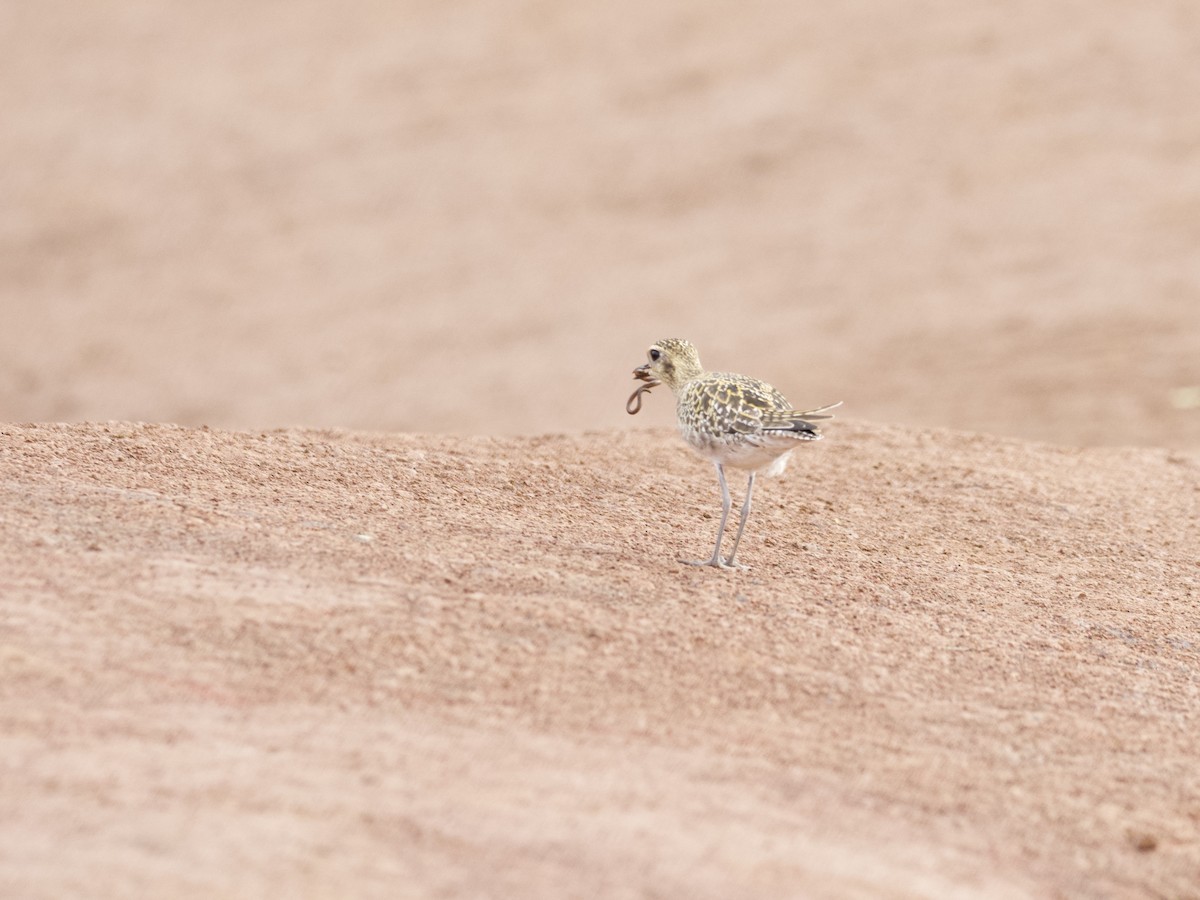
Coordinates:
[733,420]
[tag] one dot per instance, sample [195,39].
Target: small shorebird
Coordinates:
[730,419]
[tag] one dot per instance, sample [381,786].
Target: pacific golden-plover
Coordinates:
[730,419]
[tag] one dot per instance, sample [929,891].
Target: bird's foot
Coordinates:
[716,562]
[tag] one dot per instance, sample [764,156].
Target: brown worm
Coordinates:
[634,404]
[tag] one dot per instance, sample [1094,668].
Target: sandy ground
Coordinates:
[393,608]
[314,663]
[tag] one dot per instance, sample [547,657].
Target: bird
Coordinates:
[731,420]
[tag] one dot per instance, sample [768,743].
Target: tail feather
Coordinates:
[797,420]
[814,413]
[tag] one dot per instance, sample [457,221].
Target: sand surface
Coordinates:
[315,662]
[393,607]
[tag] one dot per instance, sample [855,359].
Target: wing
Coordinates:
[724,403]
[721,403]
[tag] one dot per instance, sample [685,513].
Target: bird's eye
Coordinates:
[655,354]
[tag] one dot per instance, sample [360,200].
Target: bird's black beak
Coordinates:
[643,373]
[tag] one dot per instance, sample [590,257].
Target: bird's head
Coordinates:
[672,362]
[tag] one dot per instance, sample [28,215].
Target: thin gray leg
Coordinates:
[726,503]
[745,516]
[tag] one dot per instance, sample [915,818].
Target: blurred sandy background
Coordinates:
[473,217]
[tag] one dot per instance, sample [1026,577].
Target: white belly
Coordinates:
[766,453]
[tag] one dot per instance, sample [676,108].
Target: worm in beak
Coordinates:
[634,404]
